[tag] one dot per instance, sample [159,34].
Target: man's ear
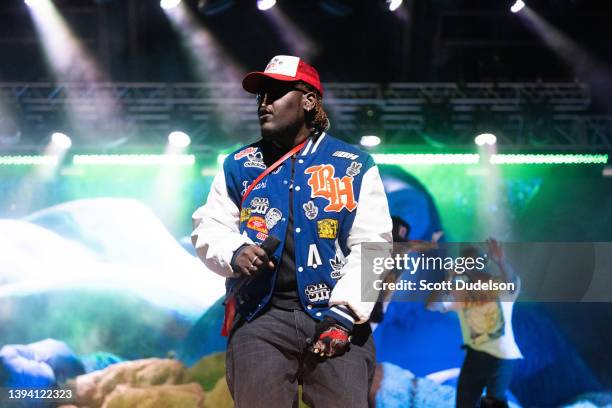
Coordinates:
[309,101]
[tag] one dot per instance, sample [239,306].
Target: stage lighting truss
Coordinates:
[526,116]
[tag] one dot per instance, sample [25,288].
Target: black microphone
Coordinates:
[269,245]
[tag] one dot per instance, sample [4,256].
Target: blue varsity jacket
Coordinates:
[339,202]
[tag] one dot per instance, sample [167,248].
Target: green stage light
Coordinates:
[549,159]
[461,159]
[416,158]
[134,159]
[426,159]
[28,160]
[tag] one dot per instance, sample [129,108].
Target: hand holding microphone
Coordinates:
[250,259]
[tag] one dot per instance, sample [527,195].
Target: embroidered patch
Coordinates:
[244,152]
[255,160]
[245,214]
[259,205]
[245,185]
[354,169]
[345,155]
[273,217]
[336,265]
[337,191]
[284,65]
[317,292]
[327,228]
[314,259]
[257,224]
[310,209]
[261,236]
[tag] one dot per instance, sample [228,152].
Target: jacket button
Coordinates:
[300,269]
[297,188]
[298,229]
[318,314]
[309,307]
[285,181]
[300,161]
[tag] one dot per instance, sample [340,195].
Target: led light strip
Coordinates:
[426,158]
[452,158]
[380,158]
[549,159]
[28,160]
[134,159]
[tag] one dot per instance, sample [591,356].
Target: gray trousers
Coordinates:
[267,358]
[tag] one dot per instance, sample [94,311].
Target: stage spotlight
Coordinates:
[61,140]
[264,5]
[369,141]
[394,4]
[70,62]
[212,62]
[485,139]
[169,4]
[31,3]
[517,6]
[296,40]
[179,139]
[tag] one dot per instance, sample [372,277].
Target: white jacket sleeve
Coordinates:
[216,234]
[372,223]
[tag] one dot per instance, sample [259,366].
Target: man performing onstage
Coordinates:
[486,326]
[299,310]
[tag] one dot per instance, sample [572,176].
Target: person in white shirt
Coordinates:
[486,326]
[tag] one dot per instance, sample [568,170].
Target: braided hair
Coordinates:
[316,118]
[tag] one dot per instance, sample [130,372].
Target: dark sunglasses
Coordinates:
[274,94]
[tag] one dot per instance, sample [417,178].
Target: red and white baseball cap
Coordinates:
[283,68]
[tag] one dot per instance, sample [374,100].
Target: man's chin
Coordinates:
[269,134]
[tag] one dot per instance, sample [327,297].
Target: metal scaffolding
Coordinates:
[527,116]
